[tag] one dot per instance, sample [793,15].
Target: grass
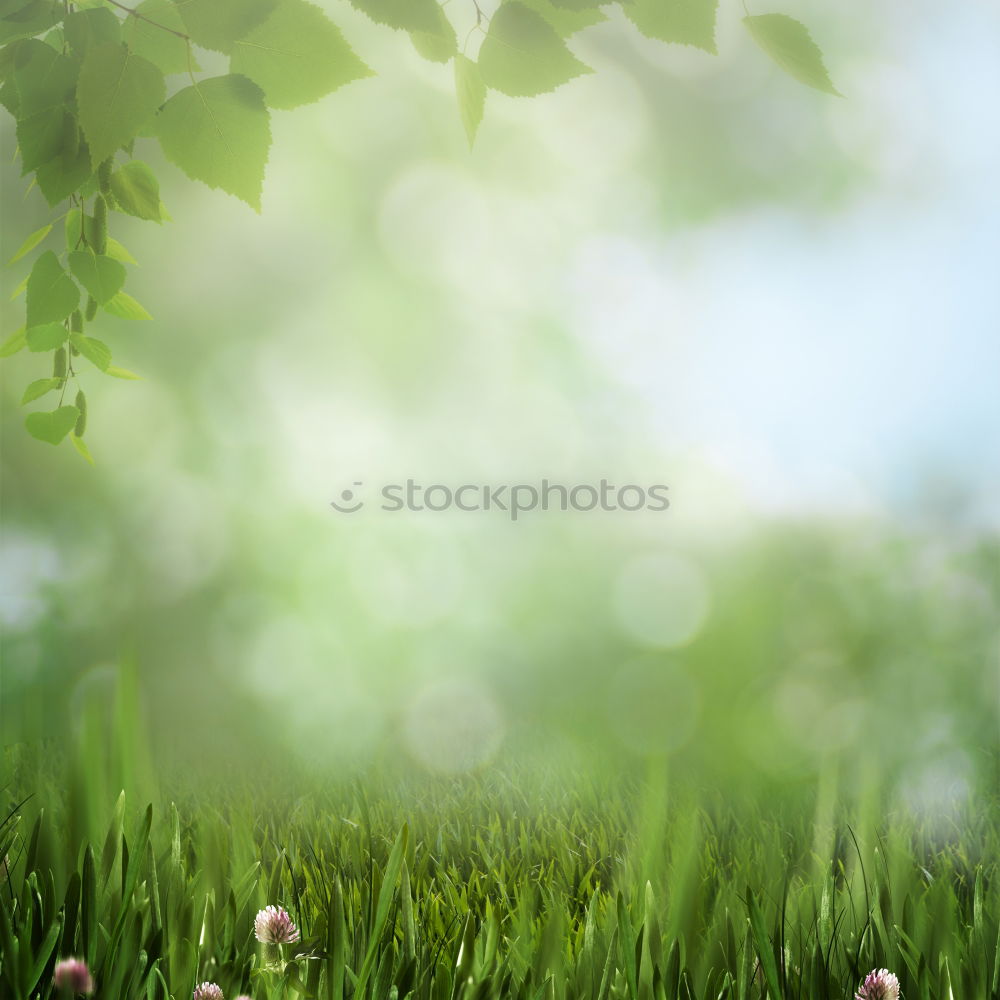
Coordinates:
[799,840]
[517,883]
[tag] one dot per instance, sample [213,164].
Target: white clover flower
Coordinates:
[880,984]
[71,975]
[208,991]
[274,926]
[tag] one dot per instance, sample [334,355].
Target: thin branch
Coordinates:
[149,20]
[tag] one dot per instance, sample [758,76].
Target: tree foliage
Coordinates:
[87,80]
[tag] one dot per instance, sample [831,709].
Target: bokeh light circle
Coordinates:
[453,725]
[661,600]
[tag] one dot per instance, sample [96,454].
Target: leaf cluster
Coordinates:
[88,80]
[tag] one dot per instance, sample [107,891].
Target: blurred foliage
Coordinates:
[804,650]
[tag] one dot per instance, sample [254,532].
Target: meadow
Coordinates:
[806,793]
[746,748]
[542,882]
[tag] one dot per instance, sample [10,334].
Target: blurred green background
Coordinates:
[680,269]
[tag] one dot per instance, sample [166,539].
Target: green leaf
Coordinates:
[14,343]
[471,93]
[137,191]
[43,77]
[75,231]
[9,98]
[13,8]
[764,950]
[95,351]
[102,276]
[31,19]
[162,48]
[86,28]
[124,306]
[336,931]
[39,388]
[41,136]
[81,447]
[385,898]
[438,45]
[118,92]
[790,45]
[407,15]
[124,373]
[52,295]
[52,427]
[566,21]
[296,56]
[70,170]
[686,22]
[30,243]
[88,906]
[45,337]
[7,53]
[120,253]
[523,55]
[41,957]
[218,131]
[56,38]
[217,24]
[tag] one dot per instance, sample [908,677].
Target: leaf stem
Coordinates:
[142,17]
[190,60]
